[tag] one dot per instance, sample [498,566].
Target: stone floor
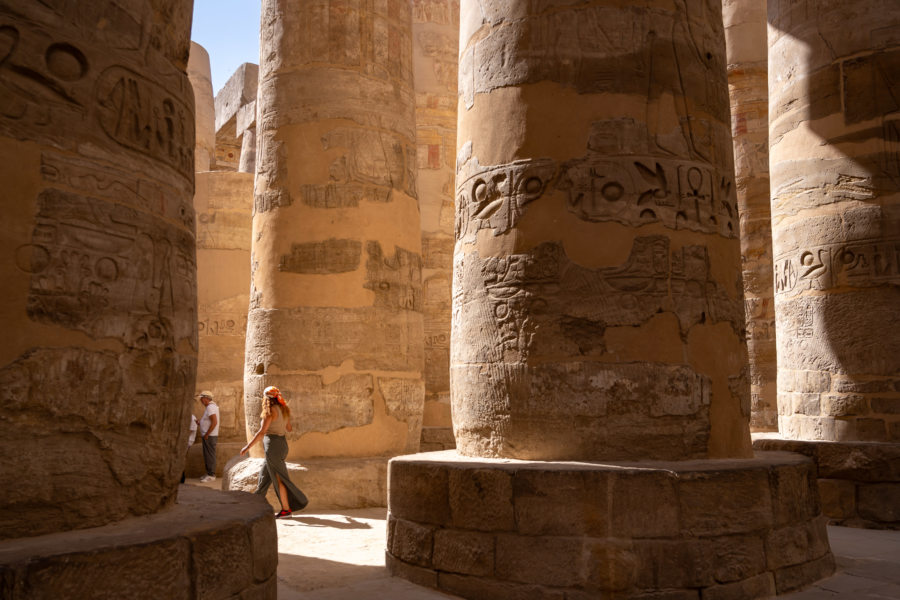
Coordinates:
[340,556]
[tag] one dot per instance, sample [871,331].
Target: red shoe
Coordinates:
[284,514]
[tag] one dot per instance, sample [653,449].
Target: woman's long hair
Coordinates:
[271,398]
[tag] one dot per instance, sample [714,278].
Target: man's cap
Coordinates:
[206,394]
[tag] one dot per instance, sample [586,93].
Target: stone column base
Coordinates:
[328,482]
[859,482]
[482,528]
[210,544]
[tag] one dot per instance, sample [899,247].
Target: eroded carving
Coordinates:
[538,303]
[331,256]
[396,280]
[95,265]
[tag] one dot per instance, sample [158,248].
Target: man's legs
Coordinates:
[209,454]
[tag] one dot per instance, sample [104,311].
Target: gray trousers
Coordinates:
[209,453]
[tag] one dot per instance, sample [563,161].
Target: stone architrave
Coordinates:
[598,351]
[97,261]
[745,37]
[335,315]
[198,70]
[235,107]
[435,36]
[834,134]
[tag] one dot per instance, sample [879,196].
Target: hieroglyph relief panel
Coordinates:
[47,82]
[540,304]
[95,266]
[860,263]
[628,190]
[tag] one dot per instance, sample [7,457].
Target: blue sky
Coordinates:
[229,30]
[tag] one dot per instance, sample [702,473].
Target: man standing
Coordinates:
[209,431]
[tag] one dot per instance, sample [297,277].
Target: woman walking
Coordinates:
[275,421]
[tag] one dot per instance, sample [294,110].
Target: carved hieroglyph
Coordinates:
[597,301]
[336,299]
[435,35]
[745,36]
[834,110]
[97,260]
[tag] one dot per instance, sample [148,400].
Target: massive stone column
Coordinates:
[745,37]
[223,202]
[597,304]
[598,355]
[98,262]
[198,70]
[98,312]
[435,35]
[336,298]
[834,139]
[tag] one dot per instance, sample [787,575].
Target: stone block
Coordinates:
[838,498]
[491,589]
[327,482]
[220,562]
[843,405]
[813,382]
[155,571]
[264,546]
[417,575]
[885,405]
[267,590]
[554,561]
[842,385]
[805,404]
[422,491]
[879,502]
[463,552]
[561,502]
[200,546]
[795,577]
[481,499]
[792,545]
[642,504]
[411,542]
[761,586]
[685,563]
[239,90]
[871,430]
[853,461]
[793,493]
[611,565]
[739,557]
[725,502]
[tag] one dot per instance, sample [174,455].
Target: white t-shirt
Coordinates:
[211,409]
[193,434]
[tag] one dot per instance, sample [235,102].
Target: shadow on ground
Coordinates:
[339,522]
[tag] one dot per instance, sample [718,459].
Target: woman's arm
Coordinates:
[263,428]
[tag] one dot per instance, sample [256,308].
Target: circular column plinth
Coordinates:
[859,482]
[210,544]
[491,528]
